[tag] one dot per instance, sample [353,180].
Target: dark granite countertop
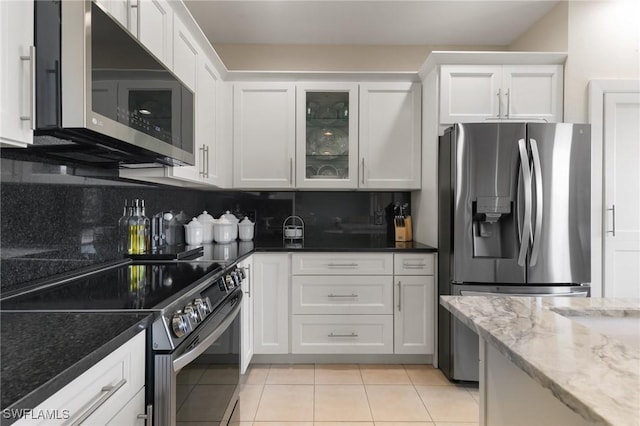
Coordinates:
[42,352]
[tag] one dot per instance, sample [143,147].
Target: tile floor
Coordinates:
[346,395]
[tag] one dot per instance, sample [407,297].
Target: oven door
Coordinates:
[198,382]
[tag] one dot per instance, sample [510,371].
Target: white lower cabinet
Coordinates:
[414,307]
[114,385]
[246,321]
[271,303]
[342,334]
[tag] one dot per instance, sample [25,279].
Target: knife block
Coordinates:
[404,233]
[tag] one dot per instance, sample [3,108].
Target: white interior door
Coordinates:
[621,228]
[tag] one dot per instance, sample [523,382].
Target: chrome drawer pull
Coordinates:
[414,265]
[342,335]
[342,295]
[342,265]
[109,391]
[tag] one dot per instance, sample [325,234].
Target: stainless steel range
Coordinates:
[196,306]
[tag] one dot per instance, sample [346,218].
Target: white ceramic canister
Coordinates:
[245,229]
[206,220]
[233,219]
[224,231]
[193,232]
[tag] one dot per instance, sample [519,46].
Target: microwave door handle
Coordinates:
[526,228]
[536,234]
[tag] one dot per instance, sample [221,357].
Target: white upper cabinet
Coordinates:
[185,54]
[390,135]
[155,29]
[124,11]
[17,98]
[264,135]
[476,93]
[327,135]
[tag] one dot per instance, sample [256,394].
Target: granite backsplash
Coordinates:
[52,222]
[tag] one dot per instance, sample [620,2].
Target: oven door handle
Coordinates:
[184,360]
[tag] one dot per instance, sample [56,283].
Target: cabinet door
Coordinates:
[327,135]
[264,135]
[155,28]
[129,414]
[470,93]
[533,92]
[246,351]
[185,54]
[17,96]
[390,140]
[120,10]
[414,325]
[271,303]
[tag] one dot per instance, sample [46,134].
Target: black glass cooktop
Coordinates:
[129,286]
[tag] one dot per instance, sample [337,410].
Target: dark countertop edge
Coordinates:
[53,385]
[426,249]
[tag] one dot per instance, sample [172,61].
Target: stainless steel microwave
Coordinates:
[102,98]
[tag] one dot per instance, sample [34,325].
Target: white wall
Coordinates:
[549,34]
[263,57]
[603,43]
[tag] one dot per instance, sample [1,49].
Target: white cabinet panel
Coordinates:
[328,334]
[475,93]
[414,321]
[155,29]
[312,294]
[390,139]
[129,415]
[17,97]
[342,263]
[271,303]
[469,93]
[413,264]
[246,321]
[101,391]
[185,54]
[264,135]
[533,92]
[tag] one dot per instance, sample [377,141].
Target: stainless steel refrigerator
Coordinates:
[514,219]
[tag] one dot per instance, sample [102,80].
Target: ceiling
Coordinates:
[366,22]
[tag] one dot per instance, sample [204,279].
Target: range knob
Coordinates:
[179,324]
[192,314]
[230,282]
[242,274]
[202,308]
[236,277]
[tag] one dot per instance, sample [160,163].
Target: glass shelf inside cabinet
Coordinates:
[327,129]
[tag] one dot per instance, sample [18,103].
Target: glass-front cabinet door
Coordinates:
[327,135]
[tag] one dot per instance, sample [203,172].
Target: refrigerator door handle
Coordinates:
[526,228]
[536,234]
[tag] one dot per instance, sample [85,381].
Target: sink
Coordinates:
[624,328]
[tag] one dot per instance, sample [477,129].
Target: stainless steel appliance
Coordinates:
[196,307]
[101,98]
[514,219]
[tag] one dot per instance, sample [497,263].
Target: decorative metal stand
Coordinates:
[293,231]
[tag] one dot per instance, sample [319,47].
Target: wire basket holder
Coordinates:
[293,228]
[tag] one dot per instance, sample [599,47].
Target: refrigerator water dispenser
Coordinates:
[491,222]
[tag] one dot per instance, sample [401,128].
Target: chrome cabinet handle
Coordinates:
[342,295]
[612,209]
[363,170]
[342,265]
[526,227]
[31,118]
[414,265]
[248,269]
[536,233]
[206,151]
[508,95]
[201,149]
[399,296]
[499,103]
[148,416]
[342,335]
[108,392]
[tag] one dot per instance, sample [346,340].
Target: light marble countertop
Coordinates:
[596,375]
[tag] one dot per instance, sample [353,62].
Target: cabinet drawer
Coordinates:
[101,391]
[337,294]
[413,264]
[342,334]
[342,264]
